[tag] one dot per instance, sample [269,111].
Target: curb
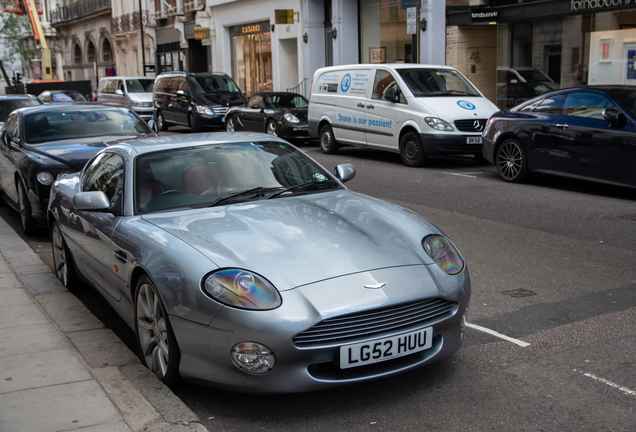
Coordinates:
[144,402]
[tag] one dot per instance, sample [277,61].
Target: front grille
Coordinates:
[368,324]
[220,111]
[469,125]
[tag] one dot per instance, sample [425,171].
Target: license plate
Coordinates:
[473,140]
[380,350]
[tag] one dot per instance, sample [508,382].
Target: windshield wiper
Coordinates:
[302,186]
[255,190]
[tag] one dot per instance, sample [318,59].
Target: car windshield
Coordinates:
[626,96]
[437,82]
[533,75]
[212,84]
[222,174]
[56,125]
[139,85]
[8,105]
[285,101]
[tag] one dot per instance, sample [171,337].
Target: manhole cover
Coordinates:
[518,293]
[627,216]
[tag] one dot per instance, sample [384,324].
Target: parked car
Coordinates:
[241,263]
[197,100]
[130,91]
[519,84]
[55,96]
[38,144]
[411,109]
[583,132]
[279,114]
[9,103]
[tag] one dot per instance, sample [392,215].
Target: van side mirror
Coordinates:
[119,92]
[614,116]
[391,95]
[182,94]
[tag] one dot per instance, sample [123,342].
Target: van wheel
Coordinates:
[328,143]
[161,122]
[412,151]
[192,123]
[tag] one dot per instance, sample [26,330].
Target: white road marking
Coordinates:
[609,383]
[499,335]
[463,175]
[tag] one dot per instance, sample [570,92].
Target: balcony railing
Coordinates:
[193,5]
[129,22]
[77,10]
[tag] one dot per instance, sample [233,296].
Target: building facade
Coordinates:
[132,57]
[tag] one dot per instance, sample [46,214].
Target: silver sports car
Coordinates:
[243,264]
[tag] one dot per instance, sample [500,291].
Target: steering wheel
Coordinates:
[51,132]
[168,192]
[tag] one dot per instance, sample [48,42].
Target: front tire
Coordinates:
[192,123]
[328,143]
[230,125]
[28,223]
[412,151]
[511,162]
[62,260]
[161,122]
[157,343]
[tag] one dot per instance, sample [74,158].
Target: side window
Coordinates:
[383,81]
[112,85]
[183,85]
[102,86]
[256,100]
[120,85]
[552,105]
[160,85]
[588,105]
[106,174]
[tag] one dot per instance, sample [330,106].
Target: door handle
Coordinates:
[370,106]
[562,126]
[360,105]
[121,256]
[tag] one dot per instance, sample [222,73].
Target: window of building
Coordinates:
[383,37]
[77,54]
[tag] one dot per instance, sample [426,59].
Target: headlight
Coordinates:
[204,110]
[242,289]
[442,251]
[439,124]
[253,357]
[45,177]
[291,118]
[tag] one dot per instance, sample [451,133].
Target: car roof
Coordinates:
[82,106]
[278,93]
[126,77]
[154,144]
[17,96]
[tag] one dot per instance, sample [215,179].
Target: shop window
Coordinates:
[252,57]
[383,37]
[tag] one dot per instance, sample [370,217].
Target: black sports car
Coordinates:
[280,114]
[38,144]
[582,132]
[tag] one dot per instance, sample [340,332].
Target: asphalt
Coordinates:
[61,369]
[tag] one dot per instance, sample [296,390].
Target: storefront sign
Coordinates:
[261,27]
[411,21]
[283,16]
[202,33]
[406,4]
[483,14]
[578,5]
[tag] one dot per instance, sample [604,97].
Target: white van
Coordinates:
[130,91]
[416,110]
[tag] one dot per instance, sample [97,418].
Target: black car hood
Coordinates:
[223,99]
[76,152]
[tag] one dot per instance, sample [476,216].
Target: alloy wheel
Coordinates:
[60,260]
[152,330]
[271,128]
[510,161]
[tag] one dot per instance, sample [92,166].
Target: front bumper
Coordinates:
[449,144]
[205,350]
[146,113]
[294,132]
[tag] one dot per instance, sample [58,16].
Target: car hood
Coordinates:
[223,99]
[299,240]
[75,153]
[140,97]
[451,108]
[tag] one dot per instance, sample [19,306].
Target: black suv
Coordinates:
[198,100]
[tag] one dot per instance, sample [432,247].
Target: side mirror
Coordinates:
[255,107]
[613,116]
[182,94]
[391,95]
[153,125]
[91,201]
[345,172]
[119,92]
[513,81]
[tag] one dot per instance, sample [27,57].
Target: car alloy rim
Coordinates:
[271,128]
[230,124]
[152,332]
[411,150]
[160,121]
[510,160]
[59,256]
[326,140]
[22,205]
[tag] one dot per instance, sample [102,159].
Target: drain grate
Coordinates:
[627,216]
[518,293]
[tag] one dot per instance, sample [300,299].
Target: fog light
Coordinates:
[46,178]
[253,357]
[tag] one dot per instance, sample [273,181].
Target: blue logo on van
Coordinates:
[346,83]
[466,105]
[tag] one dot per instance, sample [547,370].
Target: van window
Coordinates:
[437,82]
[383,81]
[212,84]
[139,85]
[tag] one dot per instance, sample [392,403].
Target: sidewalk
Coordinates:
[60,369]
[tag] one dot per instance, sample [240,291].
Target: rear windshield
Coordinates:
[139,85]
[212,84]
[437,82]
[8,105]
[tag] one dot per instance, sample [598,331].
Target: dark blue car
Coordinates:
[587,133]
[38,144]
